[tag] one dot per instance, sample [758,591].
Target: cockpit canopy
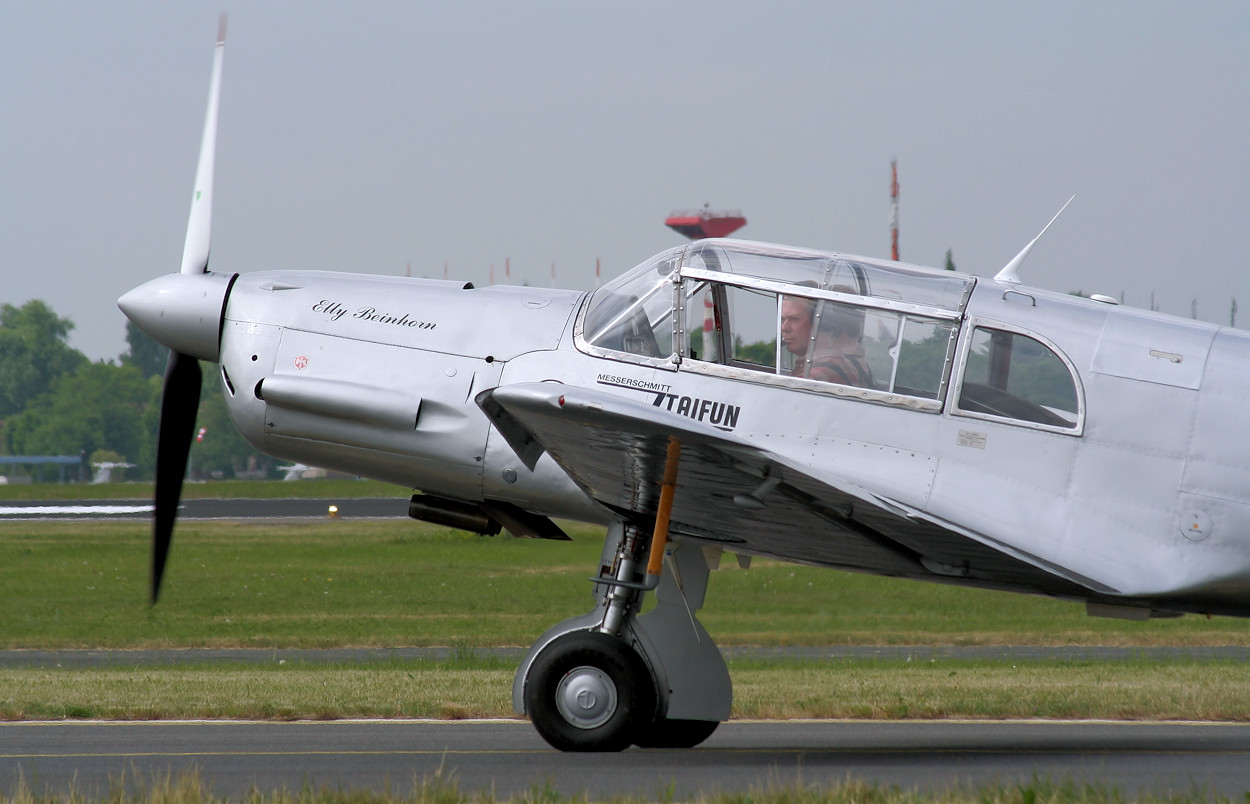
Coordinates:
[800,271]
[725,302]
[874,279]
[828,323]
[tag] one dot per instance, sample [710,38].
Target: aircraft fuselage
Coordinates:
[1142,499]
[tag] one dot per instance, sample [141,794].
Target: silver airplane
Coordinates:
[735,396]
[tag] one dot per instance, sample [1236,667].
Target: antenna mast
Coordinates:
[894,210]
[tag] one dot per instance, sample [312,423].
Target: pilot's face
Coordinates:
[796,325]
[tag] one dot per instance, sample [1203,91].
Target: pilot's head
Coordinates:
[796,323]
[796,320]
[837,321]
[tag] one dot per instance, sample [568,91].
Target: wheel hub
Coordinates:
[586,697]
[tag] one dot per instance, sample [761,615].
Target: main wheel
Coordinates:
[588,691]
[665,733]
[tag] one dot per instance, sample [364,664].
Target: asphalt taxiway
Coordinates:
[237,508]
[508,759]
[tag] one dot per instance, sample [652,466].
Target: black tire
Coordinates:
[588,691]
[665,733]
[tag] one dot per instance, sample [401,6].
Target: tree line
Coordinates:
[54,401]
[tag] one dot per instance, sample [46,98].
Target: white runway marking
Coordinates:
[74,510]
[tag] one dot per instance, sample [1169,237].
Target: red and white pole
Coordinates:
[894,210]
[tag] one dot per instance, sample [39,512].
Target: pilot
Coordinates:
[837,352]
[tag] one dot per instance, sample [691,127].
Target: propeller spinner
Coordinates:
[184,312]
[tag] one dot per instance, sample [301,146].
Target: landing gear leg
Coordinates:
[610,678]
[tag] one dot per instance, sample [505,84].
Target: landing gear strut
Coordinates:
[611,678]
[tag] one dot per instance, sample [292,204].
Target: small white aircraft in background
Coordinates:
[104,470]
[830,409]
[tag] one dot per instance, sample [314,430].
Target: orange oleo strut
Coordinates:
[668,487]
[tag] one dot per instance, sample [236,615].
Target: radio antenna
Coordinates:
[1011,271]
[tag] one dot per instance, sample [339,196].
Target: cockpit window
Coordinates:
[842,341]
[634,313]
[732,326]
[1010,375]
[924,349]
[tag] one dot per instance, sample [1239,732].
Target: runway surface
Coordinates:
[241,508]
[508,758]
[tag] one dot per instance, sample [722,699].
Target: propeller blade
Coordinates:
[180,401]
[200,223]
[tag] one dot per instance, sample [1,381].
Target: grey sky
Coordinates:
[365,136]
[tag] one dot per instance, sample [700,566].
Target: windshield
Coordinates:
[633,313]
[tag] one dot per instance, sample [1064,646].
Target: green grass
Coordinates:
[940,689]
[468,688]
[451,690]
[333,583]
[319,584]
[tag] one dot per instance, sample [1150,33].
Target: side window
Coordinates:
[752,328]
[1013,376]
[702,323]
[923,354]
[732,325]
[879,338]
[829,341]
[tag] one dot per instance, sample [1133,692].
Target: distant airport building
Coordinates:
[35,464]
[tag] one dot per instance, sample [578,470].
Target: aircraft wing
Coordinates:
[735,494]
